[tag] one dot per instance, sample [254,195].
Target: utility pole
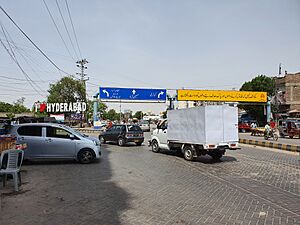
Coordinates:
[83,79]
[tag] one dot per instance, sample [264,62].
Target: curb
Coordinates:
[285,147]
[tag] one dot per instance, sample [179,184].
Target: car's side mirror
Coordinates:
[72,136]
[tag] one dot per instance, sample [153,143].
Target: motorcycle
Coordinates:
[273,133]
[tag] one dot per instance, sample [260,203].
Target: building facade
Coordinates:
[287,92]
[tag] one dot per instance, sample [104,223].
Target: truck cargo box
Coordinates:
[214,124]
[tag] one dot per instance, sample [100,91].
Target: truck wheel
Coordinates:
[188,153]
[155,146]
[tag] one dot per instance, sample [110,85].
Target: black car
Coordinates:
[123,134]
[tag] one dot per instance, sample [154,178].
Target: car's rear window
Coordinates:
[30,131]
[134,128]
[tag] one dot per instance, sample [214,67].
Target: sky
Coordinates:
[170,44]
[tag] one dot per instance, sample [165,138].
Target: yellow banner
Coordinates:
[222,96]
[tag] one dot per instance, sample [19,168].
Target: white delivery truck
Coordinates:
[198,131]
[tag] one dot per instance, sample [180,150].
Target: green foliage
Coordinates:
[5,107]
[15,108]
[90,108]
[111,115]
[10,115]
[66,89]
[259,83]
[138,115]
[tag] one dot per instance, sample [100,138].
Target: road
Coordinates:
[285,140]
[132,185]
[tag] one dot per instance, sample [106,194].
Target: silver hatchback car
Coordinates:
[55,141]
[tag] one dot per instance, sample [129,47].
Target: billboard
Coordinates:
[222,96]
[132,94]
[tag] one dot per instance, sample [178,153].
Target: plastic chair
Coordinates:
[11,161]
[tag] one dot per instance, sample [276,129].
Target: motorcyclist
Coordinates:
[267,129]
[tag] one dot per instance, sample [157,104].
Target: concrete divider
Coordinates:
[285,147]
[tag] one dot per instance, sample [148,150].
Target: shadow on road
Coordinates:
[66,192]
[202,159]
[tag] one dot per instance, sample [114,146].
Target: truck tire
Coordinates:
[188,153]
[155,146]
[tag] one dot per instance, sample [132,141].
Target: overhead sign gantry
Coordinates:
[132,94]
[223,96]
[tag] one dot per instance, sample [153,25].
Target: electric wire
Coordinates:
[6,34]
[67,5]
[20,67]
[19,79]
[57,29]
[61,15]
[10,18]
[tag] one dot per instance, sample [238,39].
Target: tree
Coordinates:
[16,107]
[66,89]
[138,115]
[259,83]
[90,108]
[111,115]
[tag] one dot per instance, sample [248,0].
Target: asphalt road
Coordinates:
[285,140]
[132,185]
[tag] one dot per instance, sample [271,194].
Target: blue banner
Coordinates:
[132,94]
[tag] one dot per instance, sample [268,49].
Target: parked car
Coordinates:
[55,141]
[145,125]
[245,125]
[122,134]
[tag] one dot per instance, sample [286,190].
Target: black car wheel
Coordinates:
[102,139]
[121,141]
[86,156]
[155,146]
